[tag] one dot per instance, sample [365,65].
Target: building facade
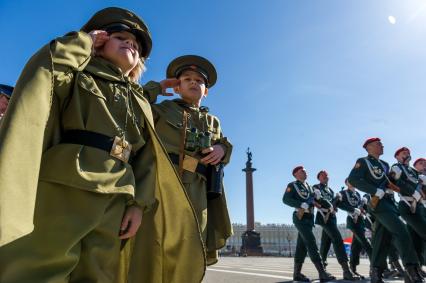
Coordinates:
[276,239]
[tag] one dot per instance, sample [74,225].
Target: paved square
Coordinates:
[272,269]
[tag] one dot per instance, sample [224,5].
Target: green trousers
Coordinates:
[75,239]
[359,242]
[416,225]
[331,235]
[306,243]
[388,227]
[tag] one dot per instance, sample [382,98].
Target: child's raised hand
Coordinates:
[168,83]
[99,37]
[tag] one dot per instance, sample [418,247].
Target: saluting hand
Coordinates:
[215,154]
[99,37]
[168,83]
[131,221]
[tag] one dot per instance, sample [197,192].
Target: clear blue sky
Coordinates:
[300,82]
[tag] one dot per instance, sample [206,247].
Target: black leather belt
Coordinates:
[88,138]
[201,168]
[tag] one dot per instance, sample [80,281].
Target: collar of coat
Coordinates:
[104,69]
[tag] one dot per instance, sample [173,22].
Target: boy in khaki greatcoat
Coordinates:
[195,143]
[79,135]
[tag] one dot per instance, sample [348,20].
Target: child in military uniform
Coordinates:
[196,145]
[76,117]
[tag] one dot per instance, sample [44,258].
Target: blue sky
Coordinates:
[299,82]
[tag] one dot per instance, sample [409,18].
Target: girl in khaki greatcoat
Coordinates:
[80,164]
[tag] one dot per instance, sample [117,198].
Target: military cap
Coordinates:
[321,172]
[370,140]
[114,19]
[401,150]
[297,168]
[6,90]
[195,63]
[418,160]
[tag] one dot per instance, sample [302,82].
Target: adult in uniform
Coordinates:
[326,218]
[370,175]
[410,207]
[69,189]
[355,221]
[301,196]
[5,94]
[196,145]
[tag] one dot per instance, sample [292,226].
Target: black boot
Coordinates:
[376,275]
[352,266]
[347,274]
[324,276]
[297,274]
[412,274]
[399,271]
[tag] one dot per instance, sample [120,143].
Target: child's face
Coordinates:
[192,87]
[122,49]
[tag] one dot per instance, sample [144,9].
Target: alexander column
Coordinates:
[251,238]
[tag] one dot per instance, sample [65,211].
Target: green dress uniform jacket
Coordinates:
[212,214]
[326,202]
[64,88]
[350,201]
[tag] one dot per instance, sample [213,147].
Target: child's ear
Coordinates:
[176,89]
[206,92]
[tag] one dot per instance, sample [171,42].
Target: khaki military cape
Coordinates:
[171,247]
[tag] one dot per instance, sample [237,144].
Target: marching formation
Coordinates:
[397,229]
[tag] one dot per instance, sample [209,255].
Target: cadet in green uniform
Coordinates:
[370,175]
[5,94]
[79,135]
[409,181]
[353,204]
[196,145]
[301,196]
[326,218]
[420,166]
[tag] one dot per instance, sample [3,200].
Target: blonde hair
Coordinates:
[138,70]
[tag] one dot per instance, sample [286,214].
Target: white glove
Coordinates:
[422,179]
[338,196]
[317,194]
[357,211]
[304,205]
[396,172]
[417,196]
[364,201]
[380,193]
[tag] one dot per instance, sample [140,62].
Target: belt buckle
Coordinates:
[190,163]
[121,149]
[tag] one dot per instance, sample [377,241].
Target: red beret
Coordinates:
[297,169]
[401,150]
[418,160]
[321,172]
[370,140]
